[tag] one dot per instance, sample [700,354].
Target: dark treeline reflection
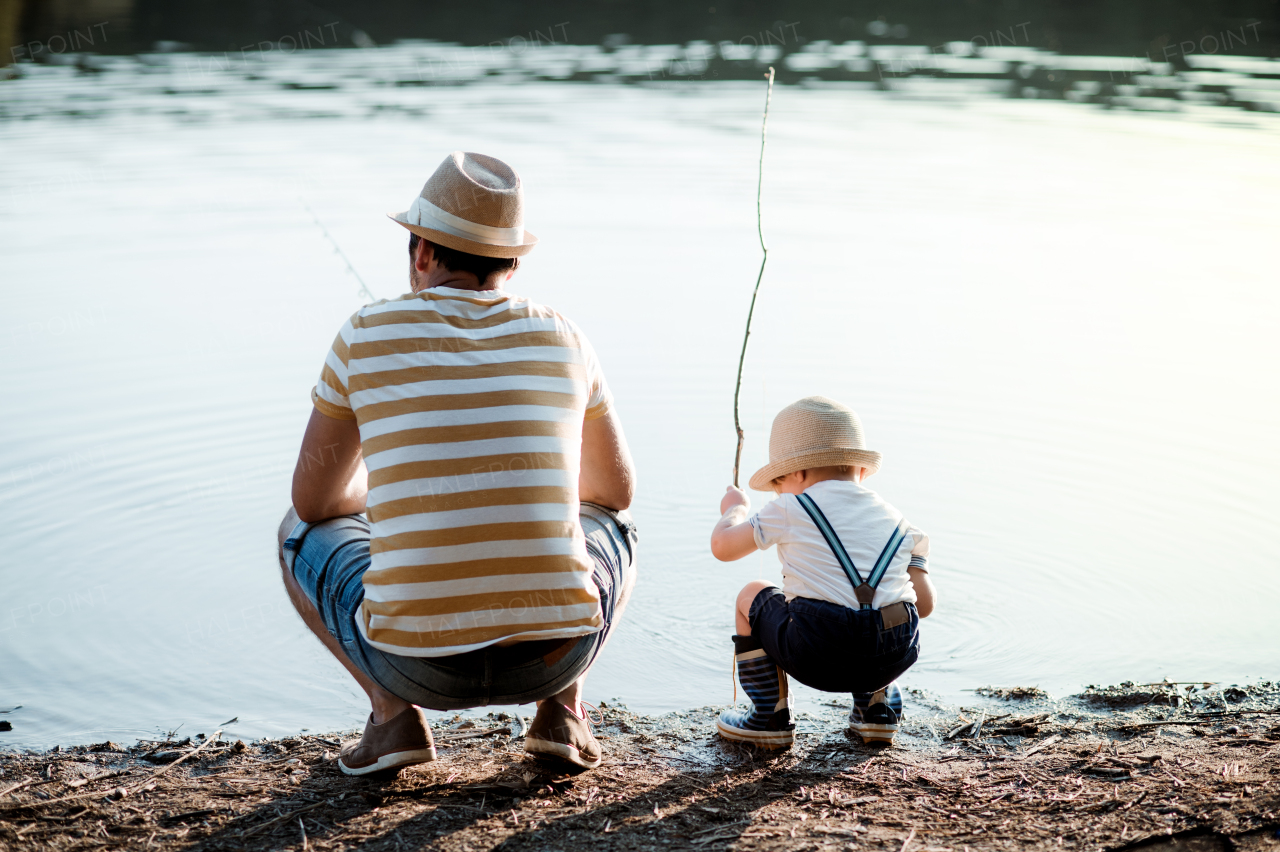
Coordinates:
[1133,27]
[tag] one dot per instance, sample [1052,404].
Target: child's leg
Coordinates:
[876,716]
[742,609]
[768,722]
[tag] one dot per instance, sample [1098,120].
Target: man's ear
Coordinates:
[422,258]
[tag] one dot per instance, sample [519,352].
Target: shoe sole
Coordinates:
[564,751]
[874,733]
[395,760]
[766,739]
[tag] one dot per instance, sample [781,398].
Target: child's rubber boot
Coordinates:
[875,716]
[768,723]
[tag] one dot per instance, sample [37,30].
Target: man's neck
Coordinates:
[455,280]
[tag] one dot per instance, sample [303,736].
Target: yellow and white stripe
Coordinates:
[470,408]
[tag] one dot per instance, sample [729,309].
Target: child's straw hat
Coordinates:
[814,432]
[473,203]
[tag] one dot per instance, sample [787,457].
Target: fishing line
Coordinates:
[737,389]
[364,288]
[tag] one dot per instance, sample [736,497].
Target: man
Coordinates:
[475,430]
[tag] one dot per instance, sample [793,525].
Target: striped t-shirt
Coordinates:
[470,406]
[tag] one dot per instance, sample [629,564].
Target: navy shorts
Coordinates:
[329,559]
[832,647]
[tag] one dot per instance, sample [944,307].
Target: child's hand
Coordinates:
[734,497]
[733,537]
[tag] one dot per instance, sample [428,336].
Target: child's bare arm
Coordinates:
[733,537]
[926,595]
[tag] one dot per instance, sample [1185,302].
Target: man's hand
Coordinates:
[734,497]
[330,479]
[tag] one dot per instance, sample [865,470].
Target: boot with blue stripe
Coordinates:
[875,716]
[768,723]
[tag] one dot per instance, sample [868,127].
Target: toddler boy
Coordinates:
[855,580]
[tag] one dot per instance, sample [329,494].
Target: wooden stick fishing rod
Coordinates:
[737,389]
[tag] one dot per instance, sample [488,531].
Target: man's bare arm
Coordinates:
[608,476]
[330,479]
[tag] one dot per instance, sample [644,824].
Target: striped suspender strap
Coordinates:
[833,540]
[886,555]
[842,556]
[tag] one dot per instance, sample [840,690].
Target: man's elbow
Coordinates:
[626,488]
[618,500]
[309,511]
[308,514]
[626,494]
[616,495]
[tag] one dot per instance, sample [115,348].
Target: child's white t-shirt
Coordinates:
[863,521]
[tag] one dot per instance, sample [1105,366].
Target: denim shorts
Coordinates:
[832,647]
[328,559]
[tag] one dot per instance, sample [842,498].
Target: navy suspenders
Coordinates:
[865,590]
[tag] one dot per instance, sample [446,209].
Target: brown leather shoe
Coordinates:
[400,741]
[559,732]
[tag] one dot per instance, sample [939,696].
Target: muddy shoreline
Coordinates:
[1169,766]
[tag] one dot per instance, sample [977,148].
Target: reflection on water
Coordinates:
[1056,321]
[252,82]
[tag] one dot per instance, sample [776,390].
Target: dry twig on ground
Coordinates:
[1084,780]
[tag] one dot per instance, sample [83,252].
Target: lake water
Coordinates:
[1058,323]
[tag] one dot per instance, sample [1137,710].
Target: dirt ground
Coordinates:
[1166,767]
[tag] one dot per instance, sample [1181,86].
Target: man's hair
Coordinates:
[460,261]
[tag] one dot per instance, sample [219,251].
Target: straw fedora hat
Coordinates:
[814,432]
[473,203]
